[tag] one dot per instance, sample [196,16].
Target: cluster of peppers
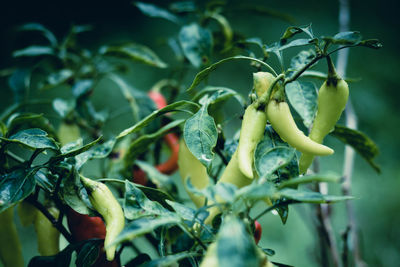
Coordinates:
[332,98]
[271,107]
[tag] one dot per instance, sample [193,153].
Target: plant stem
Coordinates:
[303,69]
[53,220]
[349,154]
[324,226]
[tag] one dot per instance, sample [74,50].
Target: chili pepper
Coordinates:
[26,213]
[171,165]
[10,246]
[172,141]
[104,202]
[280,117]
[257,231]
[48,237]
[191,167]
[332,99]
[251,133]
[68,132]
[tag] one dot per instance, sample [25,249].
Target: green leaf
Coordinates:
[305,179]
[360,142]
[55,79]
[200,134]
[34,51]
[33,138]
[256,191]
[156,12]
[371,43]
[82,88]
[74,149]
[293,30]
[186,213]
[301,59]
[344,38]
[73,193]
[235,246]
[143,226]
[202,75]
[142,144]
[145,121]
[196,43]
[89,253]
[222,94]
[162,181]
[97,152]
[63,107]
[156,195]
[303,97]
[268,160]
[15,186]
[40,28]
[294,43]
[310,196]
[137,205]
[21,121]
[135,52]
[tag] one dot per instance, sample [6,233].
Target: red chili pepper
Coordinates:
[139,176]
[158,99]
[257,231]
[171,139]
[171,165]
[84,227]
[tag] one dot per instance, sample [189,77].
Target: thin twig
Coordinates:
[324,226]
[51,218]
[349,154]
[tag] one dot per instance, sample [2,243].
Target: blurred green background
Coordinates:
[375,97]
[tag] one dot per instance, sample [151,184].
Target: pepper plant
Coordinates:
[227,178]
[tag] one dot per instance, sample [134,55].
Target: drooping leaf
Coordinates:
[136,52]
[33,138]
[303,97]
[200,134]
[156,12]
[15,186]
[196,43]
[360,142]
